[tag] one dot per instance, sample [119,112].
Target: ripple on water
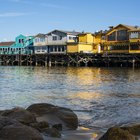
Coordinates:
[101,97]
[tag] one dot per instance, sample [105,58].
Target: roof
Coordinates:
[66,32]
[7,43]
[135,30]
[126,26]
[40,35]
[85,33]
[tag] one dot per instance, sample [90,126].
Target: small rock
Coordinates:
[52,132]
[40,125]
[58,127]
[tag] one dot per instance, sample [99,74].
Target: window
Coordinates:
[51,49]
[60,37]
[63,48]
[112,37]
[54,38]
[21,41]
[122,35]
[119,47]
[134,35]
[70,38]
[42,39]
[59,49]
[135,47]
[55,49]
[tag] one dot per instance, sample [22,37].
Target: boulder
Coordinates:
[116,133]
[19,132]
[5,121]
[135,129]
[20,114]
[12,129]
[54,115]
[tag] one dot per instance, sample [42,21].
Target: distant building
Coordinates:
[40,44]
[5,46]
[22,45]
[122,39]
[84,44]
[57,40]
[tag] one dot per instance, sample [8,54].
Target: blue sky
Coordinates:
[30,17]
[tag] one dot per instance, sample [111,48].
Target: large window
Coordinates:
[42,39]
[112,37]
[119,47]
[122,35]
[54,38]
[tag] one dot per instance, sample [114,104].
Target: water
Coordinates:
[101,97]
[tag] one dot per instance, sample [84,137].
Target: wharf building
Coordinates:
[117,46]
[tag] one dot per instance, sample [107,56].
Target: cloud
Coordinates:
[13,14]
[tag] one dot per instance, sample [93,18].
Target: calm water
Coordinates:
[101,97]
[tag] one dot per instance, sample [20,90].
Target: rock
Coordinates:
[55,115]
[4,121]
[116,133]
[40,125]
[20,114]
[12,129]
[19,132]
[135,129]
[52,132]
[58,127]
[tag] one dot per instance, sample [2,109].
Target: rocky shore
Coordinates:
[48,122]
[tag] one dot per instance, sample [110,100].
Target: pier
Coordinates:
[74,59]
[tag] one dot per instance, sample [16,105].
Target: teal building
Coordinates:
[22,45]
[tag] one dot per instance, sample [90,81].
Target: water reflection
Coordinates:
[101,97]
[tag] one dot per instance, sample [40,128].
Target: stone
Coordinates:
[52,132]
[134,129]
[4,121]
[19,132]
[40,125]
[58,127]
[55,115]
[116,133]
[11,129]
[20,114]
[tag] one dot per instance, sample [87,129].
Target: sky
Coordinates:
[30,17]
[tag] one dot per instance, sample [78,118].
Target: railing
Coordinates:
[16,52]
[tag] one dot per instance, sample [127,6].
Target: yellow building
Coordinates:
[83,45]
[99,39]
[120,39]
[134,39]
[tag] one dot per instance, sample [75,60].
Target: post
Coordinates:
[133,61]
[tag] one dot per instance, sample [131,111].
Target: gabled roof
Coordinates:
[65,32]
[7,43]
[40,35]
[126,26]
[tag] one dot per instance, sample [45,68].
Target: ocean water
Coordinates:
[101,97]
